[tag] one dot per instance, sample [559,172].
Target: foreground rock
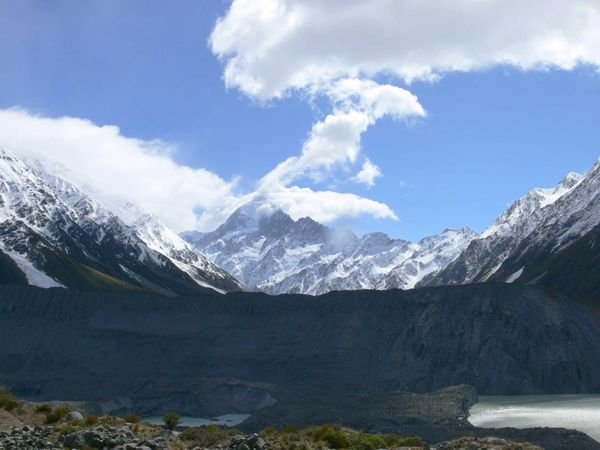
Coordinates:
[28,438]
[119,438]
[250,442]
[489,443]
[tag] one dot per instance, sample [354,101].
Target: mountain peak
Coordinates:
[280,255]
[463,230]
[571,180]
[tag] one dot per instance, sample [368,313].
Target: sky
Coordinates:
[402,117]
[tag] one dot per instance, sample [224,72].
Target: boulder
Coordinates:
[74,415]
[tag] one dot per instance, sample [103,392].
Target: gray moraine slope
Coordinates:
[502,339]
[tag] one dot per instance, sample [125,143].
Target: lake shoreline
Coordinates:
[580,412]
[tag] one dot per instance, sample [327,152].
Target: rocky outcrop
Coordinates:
[249,442]
[117,438]
[28,437]
[489,443]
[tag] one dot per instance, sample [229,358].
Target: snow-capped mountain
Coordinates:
[58,235]
[546,236]
[269,251]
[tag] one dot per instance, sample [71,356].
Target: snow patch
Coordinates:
[515,276]
[35,277]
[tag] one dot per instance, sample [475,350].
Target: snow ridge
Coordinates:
[267,250]
[41,212]
[551,219]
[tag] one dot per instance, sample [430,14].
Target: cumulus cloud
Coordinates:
[336,49]
[335,140]
[367,174]
[271,47]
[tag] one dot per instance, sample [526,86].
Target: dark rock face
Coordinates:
[502,339]
[574,270]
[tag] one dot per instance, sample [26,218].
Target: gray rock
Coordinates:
[99,437]
[249,442]
[74,415]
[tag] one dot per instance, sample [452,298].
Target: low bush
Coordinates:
[90,421]
[336,439]
[57,414]
[7,401]
[208,436]
[171,420]
[132,418]
[44,408]
[319,432]
[412,441]
[368,442]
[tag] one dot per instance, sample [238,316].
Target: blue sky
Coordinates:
[490,134]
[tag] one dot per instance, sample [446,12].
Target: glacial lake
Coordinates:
[578,412]
[227,420]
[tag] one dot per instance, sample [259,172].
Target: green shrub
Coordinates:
[212,428]
[368,442]
[110,421]
[269,430]
[290,429]
[336,438]
[8,402]
[132,418]
[412,441]
[171,420]
[57,414]
[209,436]
[90,421]
[44,408]
[319,432]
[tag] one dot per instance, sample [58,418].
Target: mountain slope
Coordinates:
[547,237]
[58,236]
[269,251]
[503,339]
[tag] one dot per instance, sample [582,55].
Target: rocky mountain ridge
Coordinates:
[547,237]
[269,251]
[52,234]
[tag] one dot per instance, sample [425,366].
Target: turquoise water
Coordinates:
[227,420]
[579,412]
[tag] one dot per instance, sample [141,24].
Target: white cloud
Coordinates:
[142,172]
[335,140]
[271,47]
[325,206]
[367,174]
[336,48]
